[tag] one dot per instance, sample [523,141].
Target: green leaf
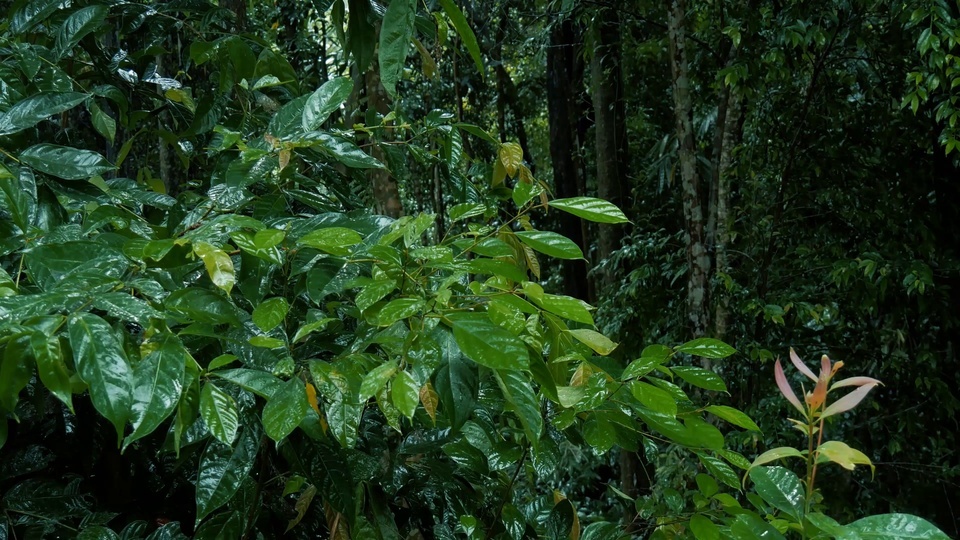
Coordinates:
[16,369]
[218,264]
[347,152]
[65,162]
[599,433]
[225,525]
[204,306]
[102,364]
[466,33]
[733,416]
[34,109]
[487,344]
[285,409]
[266,342]
[219,413]
[373,293]
[780,488]
[405,394]
[51,367]
[333,240]
[259,382]
[456,381]
[519,393]
[699,377]
[703,528]
[596,210]
[775,454]
[395,35]
[80,23]
[102,122]
[220,361]
[551,243]
[157,385]
[654,398]
[97,532]
[270,313]
[375,379]
[720,470]
[751,527]
[706,348]
[287,123]
[223,469]
[600,343]
[326,99]
[899,526]
[398,309]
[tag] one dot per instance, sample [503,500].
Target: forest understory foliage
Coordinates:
[487,270]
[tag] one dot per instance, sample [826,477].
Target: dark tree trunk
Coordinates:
[609,127]
[562,91]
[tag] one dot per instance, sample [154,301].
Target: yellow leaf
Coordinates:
[284,159]
[429,399]
[511,155]
[218,264]
[312,398]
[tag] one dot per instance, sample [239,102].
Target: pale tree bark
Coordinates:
[698,257]
[386,194]
[609,127]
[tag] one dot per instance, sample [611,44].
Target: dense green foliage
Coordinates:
[285,272]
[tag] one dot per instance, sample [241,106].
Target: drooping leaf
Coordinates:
[80,23]
[324,101]
[222,470]
[591,209]
[65,162]
[600,343]
[781,488]
[157,386]
[102,364]
[842,454]
[654,398]
[16,369]
[706,348]
[34,109]
[463,29]
[733,416]
[51,367]
[699,377]
[395,35]
[516,388]
[219,413]
[285,409]
[551,243]
[900,526]
[218,264]
[375,379]
[405,394]
[333,240]
[270,313]
[775,454]
[487,344]
[704,529]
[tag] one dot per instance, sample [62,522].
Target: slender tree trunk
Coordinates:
[386,194]
[698,257]
[609,127]
[732,133]
[561,106]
